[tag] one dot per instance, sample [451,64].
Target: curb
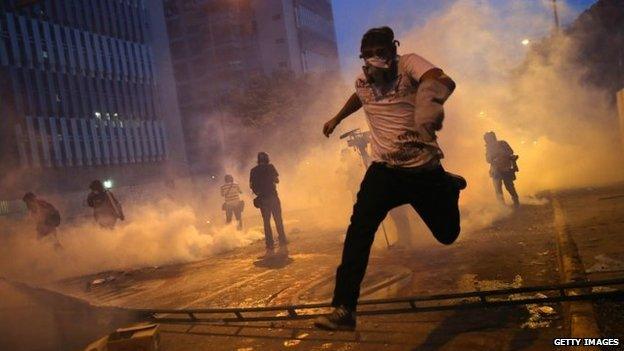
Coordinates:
[578,315]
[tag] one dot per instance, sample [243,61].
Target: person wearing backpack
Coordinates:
[503,166]
[263,179]
[233,205]
[106,209]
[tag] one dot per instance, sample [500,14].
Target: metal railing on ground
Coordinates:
[576,291]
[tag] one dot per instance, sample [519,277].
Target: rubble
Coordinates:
[291,343]
[539,316]
[100,281]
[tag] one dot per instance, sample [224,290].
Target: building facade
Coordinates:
[86,92]
[217,45]
[297,35]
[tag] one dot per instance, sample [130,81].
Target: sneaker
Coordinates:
[340,319]
[458,181]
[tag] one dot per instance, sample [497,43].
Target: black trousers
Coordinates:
[429,192]
[508,180]
[270,205]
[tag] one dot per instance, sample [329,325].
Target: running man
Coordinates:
[402,97]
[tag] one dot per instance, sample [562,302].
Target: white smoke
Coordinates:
[156,235]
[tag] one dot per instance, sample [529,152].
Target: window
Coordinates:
[314,22]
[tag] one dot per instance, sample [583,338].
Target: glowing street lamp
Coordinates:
[525,42]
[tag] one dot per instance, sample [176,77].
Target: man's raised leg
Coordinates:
[437,203]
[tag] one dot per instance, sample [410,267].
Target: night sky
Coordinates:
[353,17]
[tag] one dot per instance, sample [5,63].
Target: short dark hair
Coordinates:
[263,157]
[97,185]
[489,136]
[380,36]
[29,197]
[229,178]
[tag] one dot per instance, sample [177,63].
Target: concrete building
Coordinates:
[217,45]
[86,91]
[297,35]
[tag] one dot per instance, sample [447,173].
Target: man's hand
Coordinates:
[352,105]
[329,126]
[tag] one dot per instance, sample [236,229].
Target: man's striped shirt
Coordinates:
[231,192]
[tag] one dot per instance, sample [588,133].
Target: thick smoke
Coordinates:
[563,130]
[154,235]
[536,99]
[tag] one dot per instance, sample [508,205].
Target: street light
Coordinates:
[525,42]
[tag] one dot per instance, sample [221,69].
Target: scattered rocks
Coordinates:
[546,310]
[603,289]
[291,343]
[100,281]
[539,316]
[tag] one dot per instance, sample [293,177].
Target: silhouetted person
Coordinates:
[402,97]
[503,166]
[106,209]
[233,205]
[45,215]
[262,180]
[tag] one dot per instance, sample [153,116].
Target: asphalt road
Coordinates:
[516,251]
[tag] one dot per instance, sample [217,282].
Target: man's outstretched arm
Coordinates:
[352,105]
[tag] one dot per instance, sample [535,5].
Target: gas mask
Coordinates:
[379,70]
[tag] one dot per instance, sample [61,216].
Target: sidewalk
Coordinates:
[594,219]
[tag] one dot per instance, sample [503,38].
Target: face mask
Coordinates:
[379,70]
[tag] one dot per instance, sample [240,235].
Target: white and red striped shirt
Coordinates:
[231,192]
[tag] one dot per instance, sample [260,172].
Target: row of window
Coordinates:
[322,8]
[67,142]
[125,19]
[52,94]
[312,21]
[26,42]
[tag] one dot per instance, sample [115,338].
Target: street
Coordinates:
[520,250]
[517,251]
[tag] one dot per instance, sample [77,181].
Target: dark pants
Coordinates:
[508,180]
[428,191]
[271,206]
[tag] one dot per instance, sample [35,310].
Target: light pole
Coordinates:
[556,14]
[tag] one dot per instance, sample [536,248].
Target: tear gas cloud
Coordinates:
[563,130]
[159,234]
